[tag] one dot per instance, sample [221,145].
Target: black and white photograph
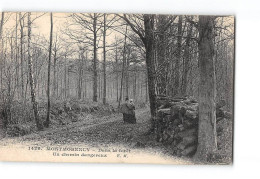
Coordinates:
[117,88]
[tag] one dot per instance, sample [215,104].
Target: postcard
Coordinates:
[116,88]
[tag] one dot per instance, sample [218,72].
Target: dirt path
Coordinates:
[92,127]
[100,132]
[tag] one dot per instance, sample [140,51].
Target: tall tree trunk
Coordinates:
[95,75]
[57,81]
[178,59]
[123,69]
[31,80]
[186,62]
[207,138]
[161,81]
[99,85]
[3,121]
[104,62]
[117,96]
[54,86]
[47,123]
[65,76]
[16,55]
[127,74]
[80,77]
[21,55]
[134,85]
[85,74]
[149,46]
[146,90]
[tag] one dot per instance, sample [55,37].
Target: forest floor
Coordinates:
[103,132]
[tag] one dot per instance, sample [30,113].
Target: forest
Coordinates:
[56,68]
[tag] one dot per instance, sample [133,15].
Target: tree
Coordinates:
[107,23]
[127,58]
[123,69]
[178,58]
[21,22]
[147,37]
[186,61]
[80,71]
[207,138]
[104,62]
[117,75]
[149,47]
[31,79]
[47,123]
[54,86]
[162,63]
[57,47]
[3,122]
[16,52]
[86,30]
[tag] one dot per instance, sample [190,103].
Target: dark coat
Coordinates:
[128,112]
[126,108]
[132,109]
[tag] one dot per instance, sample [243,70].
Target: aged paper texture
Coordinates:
[116,88]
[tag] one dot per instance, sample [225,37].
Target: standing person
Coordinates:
[125,110]
[132,111]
